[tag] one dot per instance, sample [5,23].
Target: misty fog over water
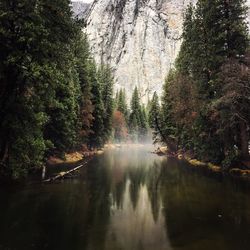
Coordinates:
[128,198]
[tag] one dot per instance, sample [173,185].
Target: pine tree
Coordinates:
[97,139]
[116,99]
[105,78]
[214,40]
[23,89]
[235,27]
[122,104]
[143,124]
[133,128]
[184,60]
[168,124]
[135,115]
[231,110]
[155,119]
[82,56]
[63,124]
[62,129]
[40,83]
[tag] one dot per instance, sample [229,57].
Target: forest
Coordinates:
[91,157]
[205,107]
[55,99]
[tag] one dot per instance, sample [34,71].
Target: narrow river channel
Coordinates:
[128,199]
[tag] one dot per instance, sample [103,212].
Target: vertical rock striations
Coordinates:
[140,39]
[80,9]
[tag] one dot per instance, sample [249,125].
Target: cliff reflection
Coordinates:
[128,199]
[136,221]
[157,203]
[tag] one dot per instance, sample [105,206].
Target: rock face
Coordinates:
[80,9]
[248,14]
[140,39]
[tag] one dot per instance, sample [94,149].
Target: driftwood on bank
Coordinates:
[64,174]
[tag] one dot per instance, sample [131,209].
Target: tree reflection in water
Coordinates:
[128,199]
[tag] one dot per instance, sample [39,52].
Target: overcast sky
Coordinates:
[85,1]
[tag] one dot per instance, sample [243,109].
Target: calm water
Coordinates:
[128,199]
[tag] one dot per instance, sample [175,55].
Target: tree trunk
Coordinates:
[63,174]
[244,139]
[172,145]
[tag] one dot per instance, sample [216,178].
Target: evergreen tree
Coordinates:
[184,60]
[168,126]
[143,124]
[105,78]
[63,124]
[135,115]
[133,128]
[196,100]
[122,104]
[138,121]
[82,56]
[64,107]
[97,139]
[231,110]
[234,27]
[45,83]
[116,99]
[32,49]
[155,119]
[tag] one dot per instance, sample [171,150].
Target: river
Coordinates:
[128,199]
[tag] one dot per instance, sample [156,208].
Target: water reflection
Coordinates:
[128,199]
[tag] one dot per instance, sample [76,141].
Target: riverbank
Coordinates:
[72,158]
[63,167]
[60,168]
[236,172]
[133,196]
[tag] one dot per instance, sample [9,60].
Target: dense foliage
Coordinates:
[135,117]
[53,99]
[205,105]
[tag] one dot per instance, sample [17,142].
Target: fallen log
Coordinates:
[63,174]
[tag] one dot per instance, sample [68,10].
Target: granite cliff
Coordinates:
[140,39]
[80,9]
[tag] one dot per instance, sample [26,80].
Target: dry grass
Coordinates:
[209,166]
[69,159]
[240,172]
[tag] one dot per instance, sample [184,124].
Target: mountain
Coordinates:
[140,39]
[80,9]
